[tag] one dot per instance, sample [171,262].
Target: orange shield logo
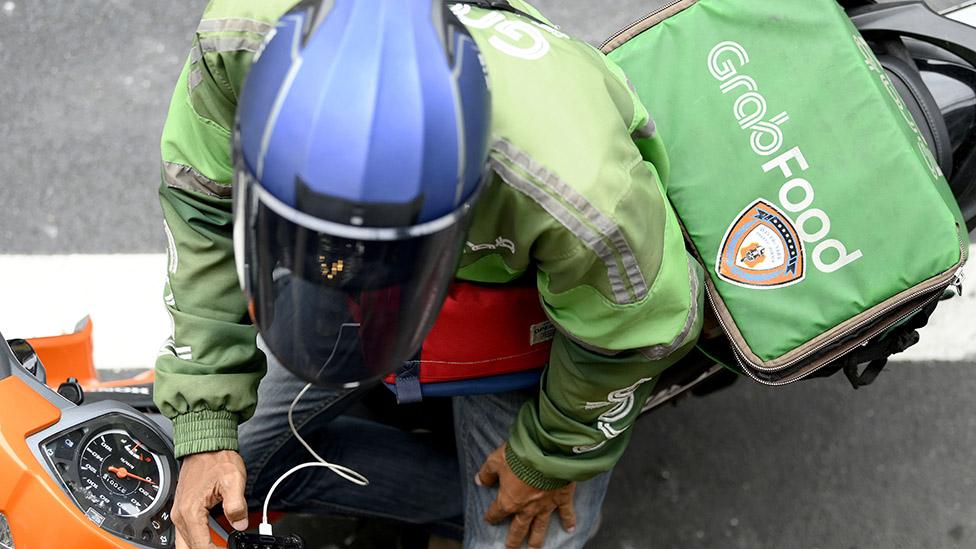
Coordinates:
[762,249]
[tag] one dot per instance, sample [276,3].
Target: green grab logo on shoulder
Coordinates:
[512,35]
[762,249]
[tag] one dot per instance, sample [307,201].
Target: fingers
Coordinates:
[517,531]
[205,480]
[192,525]
[235,506]
[497,512]
[537,534]
[487,475]
[567,516]
[180,542]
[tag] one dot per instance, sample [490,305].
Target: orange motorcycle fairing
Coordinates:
[36,503]
[40,514]
[68,355]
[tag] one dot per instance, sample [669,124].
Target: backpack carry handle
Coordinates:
[916,20]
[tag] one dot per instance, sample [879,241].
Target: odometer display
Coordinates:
[121,473]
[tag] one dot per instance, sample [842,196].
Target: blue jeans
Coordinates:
[412,478]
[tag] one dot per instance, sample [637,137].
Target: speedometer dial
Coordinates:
[118,470]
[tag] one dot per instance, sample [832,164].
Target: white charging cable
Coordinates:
[265,528]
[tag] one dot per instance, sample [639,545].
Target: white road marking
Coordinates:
[123,294]
[965,15]
[951,333]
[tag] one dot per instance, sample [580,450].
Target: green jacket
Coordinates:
[578,187]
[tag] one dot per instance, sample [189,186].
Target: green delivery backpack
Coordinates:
[802,182]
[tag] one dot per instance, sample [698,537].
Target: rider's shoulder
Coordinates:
[267,11]
[560,110]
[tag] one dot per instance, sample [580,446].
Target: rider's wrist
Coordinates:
[204,431]
[529,475]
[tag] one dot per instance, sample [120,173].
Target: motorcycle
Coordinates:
[86,462]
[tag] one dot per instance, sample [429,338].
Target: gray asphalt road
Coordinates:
[84,87]
[809,466]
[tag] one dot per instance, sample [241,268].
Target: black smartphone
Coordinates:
[242,540]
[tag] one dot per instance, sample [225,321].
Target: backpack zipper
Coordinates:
[937,287]
[958,282]
[638,22]
[865,339]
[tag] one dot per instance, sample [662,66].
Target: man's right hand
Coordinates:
[206,480]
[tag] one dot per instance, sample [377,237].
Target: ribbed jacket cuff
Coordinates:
[205,431]
[530,476]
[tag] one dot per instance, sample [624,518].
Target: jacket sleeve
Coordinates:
[626,300]
[207,373]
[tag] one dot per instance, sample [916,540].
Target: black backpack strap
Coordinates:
[866,377]
[500,5]
[876,352]
[895,343]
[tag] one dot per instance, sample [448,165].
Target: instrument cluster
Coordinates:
[120,473]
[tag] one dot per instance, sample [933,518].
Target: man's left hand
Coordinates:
[532,508]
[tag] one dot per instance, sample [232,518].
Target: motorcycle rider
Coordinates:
[369,203]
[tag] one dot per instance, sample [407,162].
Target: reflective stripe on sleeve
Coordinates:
[234,24]
[186,178]
[659,352]
[173,257]
[218,44]
[591,239]
[195,54]
[193,80]
[605,225]
[221,44]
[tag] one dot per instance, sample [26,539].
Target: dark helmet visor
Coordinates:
[348,308]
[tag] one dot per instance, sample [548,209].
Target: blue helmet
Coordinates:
[361,147]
